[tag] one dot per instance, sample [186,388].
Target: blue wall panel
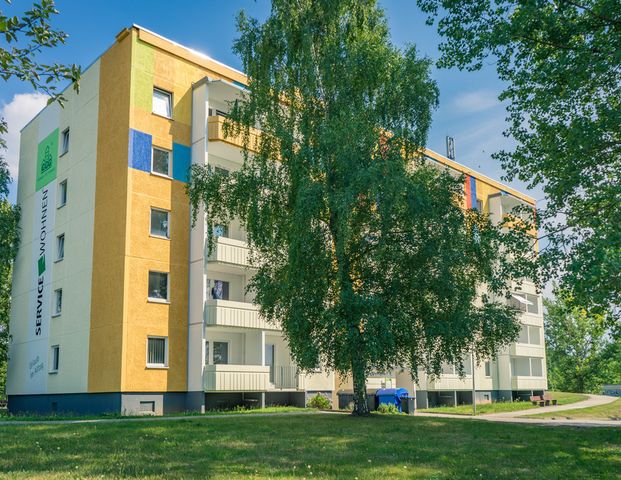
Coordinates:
[182,156]
[139,150]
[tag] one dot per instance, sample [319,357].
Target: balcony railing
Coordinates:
[236,378]
[285,377]
[227,313]
[228,250]
[215,130]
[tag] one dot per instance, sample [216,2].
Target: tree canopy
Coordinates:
[582,353]
[561,60]
[364,254]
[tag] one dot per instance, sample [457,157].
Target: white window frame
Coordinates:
[158,365]
[159,300]
[58,311]
[210,348]
[62,187]
[55,352]
[170,160]
[65,138]
[167,237]
[60,258]
[170,102]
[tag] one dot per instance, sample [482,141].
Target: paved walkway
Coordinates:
[519,416]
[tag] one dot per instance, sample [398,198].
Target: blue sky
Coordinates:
[469,110]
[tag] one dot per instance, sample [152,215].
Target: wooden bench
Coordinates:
[537,400]
[542,400]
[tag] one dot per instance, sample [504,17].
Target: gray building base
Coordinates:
[134,403]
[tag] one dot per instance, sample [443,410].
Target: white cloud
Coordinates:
[17,113]
[477,101]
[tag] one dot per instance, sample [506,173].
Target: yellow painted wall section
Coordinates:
[109,269]
[147,253]
[153,67]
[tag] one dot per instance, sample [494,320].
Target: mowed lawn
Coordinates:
[563,398]
[309,446]
[610,411]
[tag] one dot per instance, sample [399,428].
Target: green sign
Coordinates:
[47,155]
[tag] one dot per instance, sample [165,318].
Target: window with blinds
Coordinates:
[157,355]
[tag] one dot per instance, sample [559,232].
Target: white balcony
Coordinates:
[236,378]
[285,377]
[230,251]
[227,313]
[528,383]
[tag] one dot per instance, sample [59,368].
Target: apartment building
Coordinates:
[117,307]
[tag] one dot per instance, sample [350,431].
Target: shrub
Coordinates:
[387,408]
[320,402]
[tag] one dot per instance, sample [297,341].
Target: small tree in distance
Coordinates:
[364,256]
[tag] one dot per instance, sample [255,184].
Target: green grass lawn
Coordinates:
[26,417]
[308,446]
[563,398]
[611,411]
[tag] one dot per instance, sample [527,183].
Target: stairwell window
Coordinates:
[488,369]
[62,193]
[55,359]
[58,302]
[158,287]
[162,103]
[160,223]
[64,142]
[157,352]
[161,161]
[60,247]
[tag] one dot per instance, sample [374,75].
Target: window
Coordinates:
[220,353]
[64,142]
[488,369]
[159,223]
[58,301]
[55,363]
[162,103]
[221,230]
[160,161]
[221,171]
[60,247]
[62,193]
[220,290]
[215,111]
[158,286]
[157,352]
[523,338]
[525,302]
[479,205]
[534,335]
[526,367]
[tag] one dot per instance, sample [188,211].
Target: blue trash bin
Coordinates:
[392,396]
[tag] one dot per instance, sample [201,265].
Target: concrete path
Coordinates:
[519,416]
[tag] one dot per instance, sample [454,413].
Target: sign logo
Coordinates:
[47,156]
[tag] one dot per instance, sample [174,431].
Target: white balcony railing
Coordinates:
[227,313]
[285,377]
[231,251]
[236,378]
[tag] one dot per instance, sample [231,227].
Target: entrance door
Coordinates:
[269,360]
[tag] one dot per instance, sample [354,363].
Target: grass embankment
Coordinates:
[563,398]
[28,417]
[610,411]
[302,446]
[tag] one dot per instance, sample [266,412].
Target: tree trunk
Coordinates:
[359,379]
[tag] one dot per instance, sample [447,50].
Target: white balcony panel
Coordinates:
[526,350]
[236,378]
[227,313]
[528,383]
[451,382]
[228,250]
